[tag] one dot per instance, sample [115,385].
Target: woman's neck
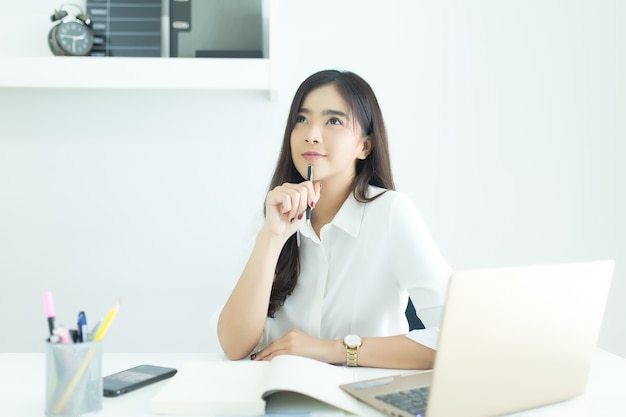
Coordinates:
[332,197]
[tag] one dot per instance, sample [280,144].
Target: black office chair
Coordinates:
[411,316]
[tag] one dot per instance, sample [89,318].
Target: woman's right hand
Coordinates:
[285,207]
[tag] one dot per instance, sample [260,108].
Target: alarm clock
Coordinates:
[72,35]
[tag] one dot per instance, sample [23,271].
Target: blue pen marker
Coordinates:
[82,327]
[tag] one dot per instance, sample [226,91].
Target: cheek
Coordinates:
[295,137]
[351,147]
[293,142]
[296,150]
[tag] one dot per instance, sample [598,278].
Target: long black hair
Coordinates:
[373,170]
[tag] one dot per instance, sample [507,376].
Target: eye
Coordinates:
[334,121]
[300,119]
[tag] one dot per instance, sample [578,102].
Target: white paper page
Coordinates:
[313,378]
[214,388]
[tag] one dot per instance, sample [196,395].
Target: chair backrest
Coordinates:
[411,316]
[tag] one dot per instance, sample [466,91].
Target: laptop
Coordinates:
[511,339]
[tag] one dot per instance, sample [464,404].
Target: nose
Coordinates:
[313,135]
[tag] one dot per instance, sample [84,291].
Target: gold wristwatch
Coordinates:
[352,343]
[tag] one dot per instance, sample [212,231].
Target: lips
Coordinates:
[312,156]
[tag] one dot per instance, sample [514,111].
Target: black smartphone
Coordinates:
[134,378]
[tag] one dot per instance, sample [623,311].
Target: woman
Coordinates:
[335,289]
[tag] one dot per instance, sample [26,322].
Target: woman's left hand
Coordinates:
[301,344]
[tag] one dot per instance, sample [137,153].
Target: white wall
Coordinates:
[506,123]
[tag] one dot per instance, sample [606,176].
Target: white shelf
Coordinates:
[135,73]
[31,65]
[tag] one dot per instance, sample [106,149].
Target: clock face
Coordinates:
[74,38]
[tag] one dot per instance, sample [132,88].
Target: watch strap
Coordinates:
[352,356]
[352,343]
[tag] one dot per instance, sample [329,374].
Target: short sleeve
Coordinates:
[420,269]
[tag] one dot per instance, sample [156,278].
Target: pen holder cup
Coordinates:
[73,378]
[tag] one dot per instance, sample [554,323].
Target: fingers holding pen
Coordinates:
[291,200]
[313,195]
[317,191]
[294,199]
[299,195]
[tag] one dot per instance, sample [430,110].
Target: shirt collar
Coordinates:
[349,217]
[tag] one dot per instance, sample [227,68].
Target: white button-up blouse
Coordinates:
[357,276]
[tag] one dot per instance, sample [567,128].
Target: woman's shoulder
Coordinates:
[391,203]
[388,197]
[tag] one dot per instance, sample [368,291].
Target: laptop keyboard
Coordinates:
[412,401]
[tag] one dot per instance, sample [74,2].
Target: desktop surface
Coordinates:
[22,388]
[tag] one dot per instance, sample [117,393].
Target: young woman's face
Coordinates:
[326,136]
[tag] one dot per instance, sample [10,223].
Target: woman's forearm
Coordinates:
[243,317]
[395,352]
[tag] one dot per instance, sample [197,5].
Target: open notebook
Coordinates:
[511,339]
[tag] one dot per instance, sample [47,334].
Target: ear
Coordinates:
[366,148]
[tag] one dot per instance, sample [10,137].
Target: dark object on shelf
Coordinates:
[126,27]
[216,28]
[229,54]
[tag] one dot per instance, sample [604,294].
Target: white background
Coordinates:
[507,127]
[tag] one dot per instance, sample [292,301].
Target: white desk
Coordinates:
[22,389]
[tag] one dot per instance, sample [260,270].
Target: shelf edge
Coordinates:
[135,73]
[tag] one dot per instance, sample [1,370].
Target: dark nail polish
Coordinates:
[253,356]
[292,220]
[312,205]
[300,216]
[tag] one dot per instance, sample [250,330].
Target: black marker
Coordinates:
[309,175]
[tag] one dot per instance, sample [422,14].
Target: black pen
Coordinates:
[309,174]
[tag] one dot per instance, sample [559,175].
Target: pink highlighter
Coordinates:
[49,306]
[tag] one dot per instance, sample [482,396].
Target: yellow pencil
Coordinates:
[83,367]
[107,322]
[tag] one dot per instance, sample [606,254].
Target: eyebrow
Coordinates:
[329,112]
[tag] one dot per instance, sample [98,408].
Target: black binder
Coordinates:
[126,27]
[216,28]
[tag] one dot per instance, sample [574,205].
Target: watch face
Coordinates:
[352,340]
[74,38]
